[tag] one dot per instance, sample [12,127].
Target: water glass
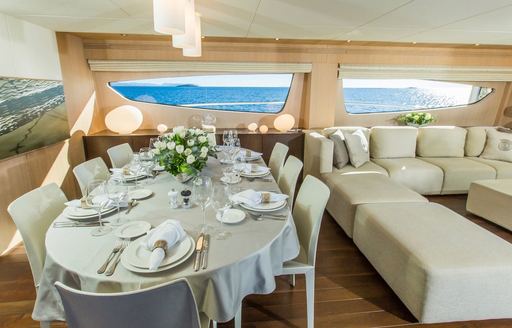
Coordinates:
[202,191]
[221,204]
[117,194]
[98,188]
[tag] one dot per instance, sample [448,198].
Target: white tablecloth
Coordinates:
[243,264]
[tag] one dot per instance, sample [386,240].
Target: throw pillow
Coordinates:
[358,149]
[340,157]
[498,146]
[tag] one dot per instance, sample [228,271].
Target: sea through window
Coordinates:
[257,93]
[364,96]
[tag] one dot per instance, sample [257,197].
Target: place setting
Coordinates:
[261,205]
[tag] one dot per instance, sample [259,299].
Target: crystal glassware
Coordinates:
[221,203]
[202,192]
[97,188]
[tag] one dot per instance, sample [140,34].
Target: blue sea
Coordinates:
[272,99]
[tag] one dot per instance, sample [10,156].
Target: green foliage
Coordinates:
[415,118]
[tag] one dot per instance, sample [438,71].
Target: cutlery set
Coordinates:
[202,247]
[113,259]
[262,216]
[72,224]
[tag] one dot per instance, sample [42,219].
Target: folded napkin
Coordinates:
[171,232]
[248,168]
[74,203]
[249,153]
[253,198]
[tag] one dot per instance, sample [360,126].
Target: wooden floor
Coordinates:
[349,293]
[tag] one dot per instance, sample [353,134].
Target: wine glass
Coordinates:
[235,149]
[98,188]
[202,190]
[221,204]
[116,196]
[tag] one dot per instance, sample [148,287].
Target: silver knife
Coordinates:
[204,252]
[199,248]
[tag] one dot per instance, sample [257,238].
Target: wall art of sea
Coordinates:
[32,114]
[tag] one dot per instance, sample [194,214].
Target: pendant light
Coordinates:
[169,16]
[196,50]
[187,40]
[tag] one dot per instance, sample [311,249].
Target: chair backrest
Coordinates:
[288,177]
[168,305]
[94,169]
[307,214]
[277,158]
[33,213]
[120,155]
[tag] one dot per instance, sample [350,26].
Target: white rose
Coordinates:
[201,139]
[203,154]
[156,151]
[187,151]
[191,159]
[180,149]
[182,134]
[178,129]
[171,145]
[204,149]
[190,142]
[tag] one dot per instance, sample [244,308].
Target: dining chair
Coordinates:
[168,305]
[307,216]
[120,155]
[288,177]
[277,158]
[94,169]
[33,213]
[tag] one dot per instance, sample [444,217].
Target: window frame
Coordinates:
[211,109]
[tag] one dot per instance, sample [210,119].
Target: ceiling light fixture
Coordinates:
[187,40]
[169,16]
[196,51]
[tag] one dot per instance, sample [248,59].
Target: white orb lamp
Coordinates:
[263,129]
[162,128]
[252,127]
[284,122]
[124,119]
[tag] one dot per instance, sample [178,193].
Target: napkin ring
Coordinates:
[265,197]
[126,171]
[247,153]
[160,244]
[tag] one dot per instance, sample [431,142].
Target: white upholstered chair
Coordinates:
[170,305]
[307,216]
[120,155]
[33,213]
[288,177]
[277,158]
[94,169]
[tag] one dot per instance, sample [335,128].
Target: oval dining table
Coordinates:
[245,263]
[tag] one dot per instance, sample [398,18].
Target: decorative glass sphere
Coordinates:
[162,128]
[284,122]
[252,127]
[263,129]
[124,119]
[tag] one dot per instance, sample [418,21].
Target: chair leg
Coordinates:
[214,324]
[310,297]
[291,280]
[45,324]
[238,317]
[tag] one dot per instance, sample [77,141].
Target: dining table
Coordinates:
[245,263]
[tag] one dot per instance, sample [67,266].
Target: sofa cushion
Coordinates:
[460,172]
[393,142]
[318,154]
[368,167]
[441,141]
[441,265]
[498,146]
[492,200]
[346,129]
[350,190]
[475,141]
[340,156]
[420,176]
[503,169]
[358,147]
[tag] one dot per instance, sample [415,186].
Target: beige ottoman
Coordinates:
[350,190]
[441,265]
[492,200]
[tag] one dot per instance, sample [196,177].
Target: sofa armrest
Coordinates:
[318,154]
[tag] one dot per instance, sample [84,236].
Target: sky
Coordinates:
[249,80]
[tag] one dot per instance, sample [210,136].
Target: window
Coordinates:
[364,96]
[258,93]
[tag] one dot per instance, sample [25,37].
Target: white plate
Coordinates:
[254,155]
[132,268]
[133,229]
[134,177]
[265,207]
[225,180]
[77,213]
[255,175]
[232,216]
[138,255]
[159,168]
[140,193]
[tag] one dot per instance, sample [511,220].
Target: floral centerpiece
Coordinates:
[184,152]
[416,119]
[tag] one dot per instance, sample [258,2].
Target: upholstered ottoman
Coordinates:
[492,200]
[441,265]
[350,190]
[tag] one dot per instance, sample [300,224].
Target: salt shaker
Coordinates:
[173,198]
[185,194]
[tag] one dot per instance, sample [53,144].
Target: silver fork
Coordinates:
[110,271]
[114,251]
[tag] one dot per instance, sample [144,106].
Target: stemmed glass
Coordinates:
[146,160]
[98,188]
[116,196]
[202,190]
[221,204]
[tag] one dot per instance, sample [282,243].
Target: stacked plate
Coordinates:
[132,177]
[136,256]
[84,214]
[257,171]
[249,155]
[265,207]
